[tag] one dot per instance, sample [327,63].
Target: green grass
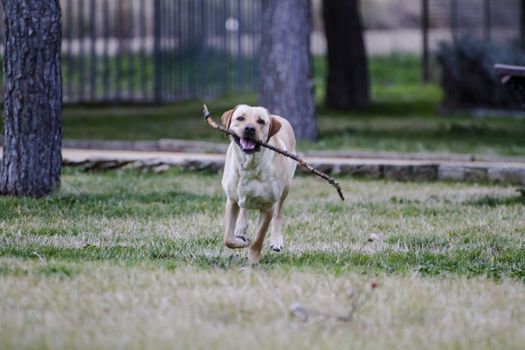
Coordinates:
[402,118]
[123,216]
[136,260]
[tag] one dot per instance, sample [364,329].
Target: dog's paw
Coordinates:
[239,242]
[241,231]
[243,238]
[276,248]
[277,244]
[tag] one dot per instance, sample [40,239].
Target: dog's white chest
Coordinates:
[257,190]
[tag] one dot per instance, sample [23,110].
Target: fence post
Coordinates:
[157,60]
[130,36]
[81,72]
[105,52]
[522,24]
[118,35]
[193,37]
[226,49]
[93,27]
[203,50]
[486,20]
[424,31]
[142,35]
[454,19]
[239,48]
[69,53]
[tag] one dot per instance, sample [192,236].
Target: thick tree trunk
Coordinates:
[32,98]
[347,85]
[287,87]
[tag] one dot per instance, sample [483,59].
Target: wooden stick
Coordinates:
[331,180]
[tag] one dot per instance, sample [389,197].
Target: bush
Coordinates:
[468,78]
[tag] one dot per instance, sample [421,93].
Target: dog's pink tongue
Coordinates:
[247,144]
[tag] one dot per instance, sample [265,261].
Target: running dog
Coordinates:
[256,178]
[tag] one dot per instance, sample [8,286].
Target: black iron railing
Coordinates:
[158,50]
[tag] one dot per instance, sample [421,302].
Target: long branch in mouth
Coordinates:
[247,144]
[331,180]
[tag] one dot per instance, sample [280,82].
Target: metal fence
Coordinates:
[498,21]
[158,50]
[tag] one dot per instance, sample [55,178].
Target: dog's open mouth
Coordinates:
[248,145]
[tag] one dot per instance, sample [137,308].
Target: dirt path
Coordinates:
[403,169]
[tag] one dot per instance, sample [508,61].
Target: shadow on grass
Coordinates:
[385,109]
[402,108]
[112,204]
[479,132]
[492,201]
[433,136]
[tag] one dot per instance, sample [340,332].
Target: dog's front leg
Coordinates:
[265,216]
[277,222]
[230,240]
[241,228]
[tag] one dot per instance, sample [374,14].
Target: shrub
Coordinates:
[468,78]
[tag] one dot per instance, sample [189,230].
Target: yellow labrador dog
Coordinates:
[256,178]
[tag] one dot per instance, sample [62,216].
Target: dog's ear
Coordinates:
[227,118]
[275,126]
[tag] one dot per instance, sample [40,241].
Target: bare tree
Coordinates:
[287,86]
[347,85]
[31,161]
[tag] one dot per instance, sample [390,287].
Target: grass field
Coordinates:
[135,260]
[402,118]
[129,259]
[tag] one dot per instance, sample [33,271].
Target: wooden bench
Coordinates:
[513,76]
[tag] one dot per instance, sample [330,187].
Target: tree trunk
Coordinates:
[32,98]
[287,87]
[347,85]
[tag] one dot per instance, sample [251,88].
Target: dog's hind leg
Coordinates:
[265,216]
[277,222]
[230,240]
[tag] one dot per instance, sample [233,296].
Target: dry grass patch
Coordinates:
[129,260]
[103,305]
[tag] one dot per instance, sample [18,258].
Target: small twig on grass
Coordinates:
[331,180]
[358,299]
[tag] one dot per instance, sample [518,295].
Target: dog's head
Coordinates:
[252,125]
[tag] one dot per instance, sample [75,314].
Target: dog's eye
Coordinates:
[240,118]
[261,122]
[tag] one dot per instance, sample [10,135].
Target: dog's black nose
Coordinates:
[249,130]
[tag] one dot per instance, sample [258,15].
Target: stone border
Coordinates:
[512,172]
[399,170]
